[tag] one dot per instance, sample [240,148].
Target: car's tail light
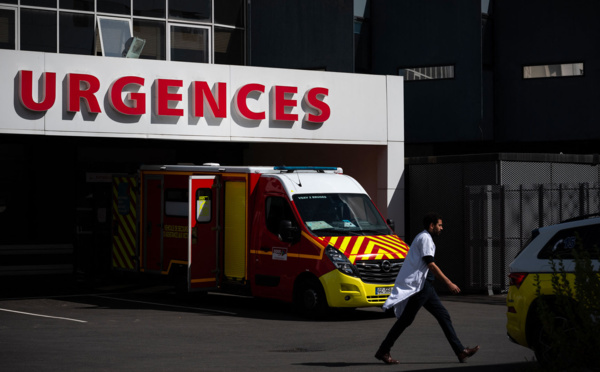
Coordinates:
[517,279]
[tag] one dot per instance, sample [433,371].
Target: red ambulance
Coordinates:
[308,235]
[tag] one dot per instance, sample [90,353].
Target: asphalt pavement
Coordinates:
[146,326]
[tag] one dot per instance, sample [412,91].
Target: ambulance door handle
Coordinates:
[265,249]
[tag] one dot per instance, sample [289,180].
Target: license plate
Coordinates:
[383,290]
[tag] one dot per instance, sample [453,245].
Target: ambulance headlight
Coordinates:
[341,262]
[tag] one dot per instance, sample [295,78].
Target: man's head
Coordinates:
[432,222]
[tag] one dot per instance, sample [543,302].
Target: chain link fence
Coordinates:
[500,219]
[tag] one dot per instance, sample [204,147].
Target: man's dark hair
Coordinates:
[430,218]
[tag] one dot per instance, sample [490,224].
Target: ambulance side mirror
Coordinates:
[391,224]
[288,233]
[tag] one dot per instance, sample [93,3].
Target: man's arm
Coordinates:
[440,276]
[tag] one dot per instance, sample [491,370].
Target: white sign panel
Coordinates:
[57,94]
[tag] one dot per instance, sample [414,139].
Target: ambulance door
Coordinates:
[152,224]
[276,260]
[203,236]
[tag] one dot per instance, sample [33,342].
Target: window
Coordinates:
[76,33]
[87,5]
[229,46]
[229,12]
[114,6]
[205,31]
[8,38]
[42,3]
[427,73]
[38,30]
[553,71]
[340,214]
[565,241]
[149,8]
[277,209]
[199,10]
[203,205]
[114,34]
[176,202]
[189,44]
[154,34]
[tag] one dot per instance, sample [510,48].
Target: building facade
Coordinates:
[97,88]
[480,76]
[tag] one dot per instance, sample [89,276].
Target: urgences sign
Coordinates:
[83,88]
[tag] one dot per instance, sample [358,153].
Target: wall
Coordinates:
[415,33]
[546,32]
[302,34]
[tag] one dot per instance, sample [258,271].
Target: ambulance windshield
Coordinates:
[340,215]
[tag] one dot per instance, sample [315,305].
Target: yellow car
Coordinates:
[534,264]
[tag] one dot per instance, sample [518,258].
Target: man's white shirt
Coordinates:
[411,277]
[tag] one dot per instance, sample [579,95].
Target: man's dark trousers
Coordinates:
[428,299]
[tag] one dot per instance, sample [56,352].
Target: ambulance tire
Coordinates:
[309,297]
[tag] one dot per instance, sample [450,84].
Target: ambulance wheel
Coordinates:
[309,297]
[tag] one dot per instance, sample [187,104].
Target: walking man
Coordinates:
[414,289]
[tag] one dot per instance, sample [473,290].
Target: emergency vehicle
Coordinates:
[308,235]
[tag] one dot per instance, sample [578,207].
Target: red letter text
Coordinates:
[241,105]
[322,108]
[26,90]
[202,94]
[163,97]
[138,99]
[76,93]
[281,103]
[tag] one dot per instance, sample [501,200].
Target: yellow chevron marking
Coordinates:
[357,245]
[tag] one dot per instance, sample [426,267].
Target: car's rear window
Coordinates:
[564,242]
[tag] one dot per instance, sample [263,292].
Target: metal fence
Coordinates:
[490,204]
[499,220]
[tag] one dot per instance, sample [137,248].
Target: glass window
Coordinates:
[150,8]
[176,203]
[189,44]
[564,243]
[203,205]
[87,5]
[154,34]
[38,30]
[7,29]
[114,6]
[229,46]
[340,215]
[198,10]
[8,1]
[44,3]
[552,71]
[77,33]
[229,12]
[114,34]
[427,73]
[277,209]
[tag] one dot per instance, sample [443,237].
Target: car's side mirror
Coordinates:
[288,232]
[391,224]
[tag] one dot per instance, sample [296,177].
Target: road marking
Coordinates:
[167,305]
[44,316]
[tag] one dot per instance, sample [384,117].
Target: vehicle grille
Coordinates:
[376,271]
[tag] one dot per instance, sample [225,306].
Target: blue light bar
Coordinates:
[297,168]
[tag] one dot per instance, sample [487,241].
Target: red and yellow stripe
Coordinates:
[124,213]
[380,247]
